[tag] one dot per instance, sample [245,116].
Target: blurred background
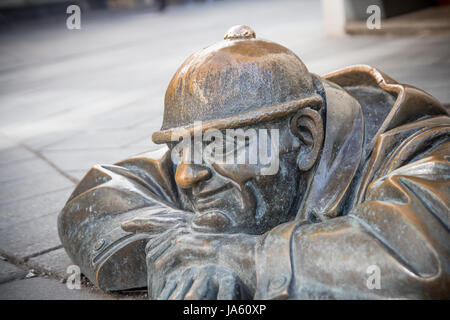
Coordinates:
[72,98]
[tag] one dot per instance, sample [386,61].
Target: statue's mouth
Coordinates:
[212,221]
[207,200]
[209,195]
[209,215]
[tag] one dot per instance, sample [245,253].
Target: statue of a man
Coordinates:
[353,201]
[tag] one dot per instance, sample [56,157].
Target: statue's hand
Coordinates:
[206,282]
[158,222]
[181,248]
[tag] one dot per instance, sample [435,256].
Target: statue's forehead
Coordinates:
[277,128]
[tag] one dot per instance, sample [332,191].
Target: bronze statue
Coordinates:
[361,183]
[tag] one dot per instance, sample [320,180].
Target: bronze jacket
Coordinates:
[380,196]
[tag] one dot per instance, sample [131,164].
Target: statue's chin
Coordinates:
[211,222]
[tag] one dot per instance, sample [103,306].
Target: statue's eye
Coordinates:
[179,151]
[177,155]
[241,143]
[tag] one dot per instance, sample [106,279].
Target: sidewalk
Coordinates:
[72,99]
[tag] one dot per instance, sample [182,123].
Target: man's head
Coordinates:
[261,93]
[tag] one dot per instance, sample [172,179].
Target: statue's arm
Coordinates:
[400,231]
[109,195]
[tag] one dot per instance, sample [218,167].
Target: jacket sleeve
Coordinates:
[89,224]
[400,232]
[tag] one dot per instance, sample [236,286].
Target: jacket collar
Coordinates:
[344,150]
[340,158]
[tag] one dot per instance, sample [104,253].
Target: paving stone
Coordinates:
[54,262]
[9,272]
[14,212]
[6,142]
[41,140]
[14,154]
[33,185]
[11,151]
[143,143]
[21,169]
[77,174]
[80,116]
[126,117]
[83,160]
[146,109]
[99,140]
[47,289]
[31,237]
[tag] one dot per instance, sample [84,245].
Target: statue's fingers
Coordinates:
[154,254]
[183,216]
[228,288]
[156,240]
[187,279]
[141,224]
[157,248]
[169,286]
[184,246]
[180,250]
[154,223]
[202,288]
[154,281]
[163,237]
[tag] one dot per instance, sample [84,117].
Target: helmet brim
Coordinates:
[239,120]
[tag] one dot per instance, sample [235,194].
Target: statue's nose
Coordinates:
[188,175]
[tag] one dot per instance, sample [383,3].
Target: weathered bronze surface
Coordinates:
[363,181]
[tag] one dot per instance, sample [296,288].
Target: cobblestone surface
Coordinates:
[9,272]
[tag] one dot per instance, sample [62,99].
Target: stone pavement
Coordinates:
[70,99]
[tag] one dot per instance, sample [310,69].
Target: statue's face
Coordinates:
[241,196]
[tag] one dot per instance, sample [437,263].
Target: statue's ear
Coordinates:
[307,125]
